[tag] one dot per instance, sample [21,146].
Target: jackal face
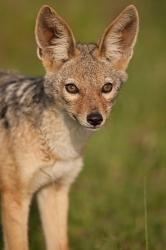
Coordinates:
[84,79]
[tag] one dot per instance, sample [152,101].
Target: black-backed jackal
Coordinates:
[46,122]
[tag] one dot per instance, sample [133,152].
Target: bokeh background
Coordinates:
[125,161]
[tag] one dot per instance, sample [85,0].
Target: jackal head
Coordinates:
[84,79]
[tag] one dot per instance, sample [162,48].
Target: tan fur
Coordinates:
[57,197]
[44,128]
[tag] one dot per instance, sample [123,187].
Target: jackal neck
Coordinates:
[65,136]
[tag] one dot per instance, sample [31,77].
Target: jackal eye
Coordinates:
[107,87]
[71,88]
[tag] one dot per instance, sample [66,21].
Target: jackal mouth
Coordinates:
[94,128]
[90,128]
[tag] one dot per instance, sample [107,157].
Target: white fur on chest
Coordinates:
[66,139]
[62,171]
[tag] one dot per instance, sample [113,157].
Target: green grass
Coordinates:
[109,210]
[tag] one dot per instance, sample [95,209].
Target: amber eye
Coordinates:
[71,88]
[107,87]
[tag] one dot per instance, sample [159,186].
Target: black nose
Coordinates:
[94,118]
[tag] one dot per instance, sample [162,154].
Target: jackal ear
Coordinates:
[117,43]
[54,38]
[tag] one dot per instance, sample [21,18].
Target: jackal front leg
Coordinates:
[15,209]
[53,205]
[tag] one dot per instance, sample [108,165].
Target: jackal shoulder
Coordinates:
[20,97]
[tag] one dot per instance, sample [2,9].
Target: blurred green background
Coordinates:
[127,157]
